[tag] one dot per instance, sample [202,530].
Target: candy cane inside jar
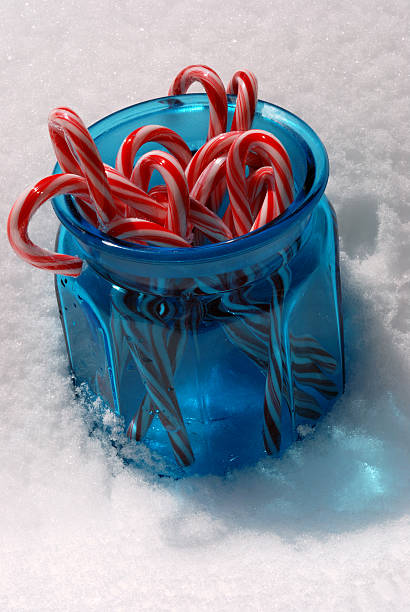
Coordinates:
[26,206]
[270,149]
[77,153]
[218,106]
[151,133]
[175,182]
[245,85]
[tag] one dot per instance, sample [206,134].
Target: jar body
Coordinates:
[213,349]
[215,360]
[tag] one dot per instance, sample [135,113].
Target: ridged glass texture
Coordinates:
[214,355]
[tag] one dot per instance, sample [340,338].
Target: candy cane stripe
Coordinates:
[217,147]
[151,133]
[269,148]
[84,153]
[177,188]
[245,86]
[200,216]
[214,88]
[146,230]
[25,207]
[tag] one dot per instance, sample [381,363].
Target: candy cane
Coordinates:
[151,133]
[122,190]
[260,336]
[141,229]
[175,181]
[312,367]
[159,193]
[213,149]
[258,182]
[215,90]
[175,345]
[68,163]
[210,188]
[209,223]
[77,153]
[245,86]
[157,369]
[31,200]
[156,352]
[272,409]
[144,416]
[159,386]
[270,149]
[135,198]
[142,419]
[154,206]
[263,181]
[128,198]
[24,208]
[211,184]
[219,146]
[228,220]
[200,216]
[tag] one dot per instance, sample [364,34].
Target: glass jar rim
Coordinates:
[317,172]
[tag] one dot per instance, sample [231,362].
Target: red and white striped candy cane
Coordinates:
[159,193]
[245,86]
[156,361]
[24,208]
[151,133]
[209,182]
[215,90]
[262,183]
[209,223]
[137,201]
[128,198]
[141,229]
[210,187]
[228,220]
[141,422]
[175,181]
[201,217]
[77,153]
[68,163]
[154,206]
[211,150]
[273,152]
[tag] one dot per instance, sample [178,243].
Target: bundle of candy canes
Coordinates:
[252,166]
[190,207]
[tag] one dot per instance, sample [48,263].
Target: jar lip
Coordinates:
[308,195]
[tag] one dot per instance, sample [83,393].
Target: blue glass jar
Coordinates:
[214,355]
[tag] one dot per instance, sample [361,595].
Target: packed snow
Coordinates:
[325,528]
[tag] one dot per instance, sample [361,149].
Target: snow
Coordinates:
[325,528]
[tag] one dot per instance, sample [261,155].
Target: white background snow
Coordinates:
[325,528]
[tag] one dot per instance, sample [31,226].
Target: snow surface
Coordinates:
[327,527]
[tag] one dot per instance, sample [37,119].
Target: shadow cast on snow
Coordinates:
[350,472]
